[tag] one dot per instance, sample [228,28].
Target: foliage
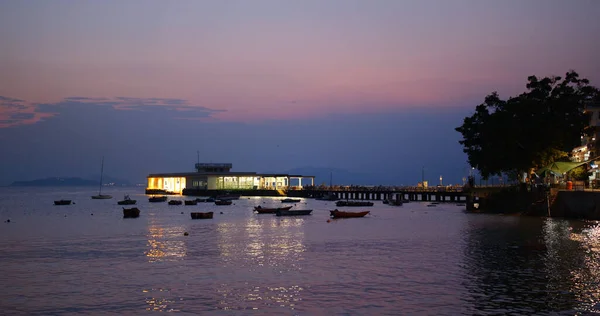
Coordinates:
[530,130]
[580,173]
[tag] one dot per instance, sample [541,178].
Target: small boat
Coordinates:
[288,200]
[460,204]
[223,202]
[190,202]
[62,202]
[353,203]
[385,202]
[263,210]
[340,214]
[175,202]
[101,196]
[225,197]
[131,212]
[328,197]
[201,215]
[293,213]
[127,201]
[431,205]
[158,199]
[395,202]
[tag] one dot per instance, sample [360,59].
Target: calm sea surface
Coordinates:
[409,260]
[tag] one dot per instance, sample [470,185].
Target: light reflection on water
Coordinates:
[396,261]
[165,243]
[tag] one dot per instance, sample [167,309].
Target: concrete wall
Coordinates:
[576,204]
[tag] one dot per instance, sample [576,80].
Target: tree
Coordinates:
[530,130]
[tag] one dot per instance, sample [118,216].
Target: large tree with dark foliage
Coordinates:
[530,130]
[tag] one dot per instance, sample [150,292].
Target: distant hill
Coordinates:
[56,181]
[70,181]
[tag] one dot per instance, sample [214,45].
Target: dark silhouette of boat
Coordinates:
[223,202]
[175,202]
[133,212]
[127,201]
[395,202]
[263,210]
[225,197]
[354,203]
[101,196]
[190,202]
[328,197]
[158,199]
[62,202]
[288,200]
[201,215]
[293,213]
[339,214]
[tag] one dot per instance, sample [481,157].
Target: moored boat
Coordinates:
[131,212]
[328,197]
[339,214]
[158,199]
[191,202]
[293,213]
[353,203]
[263,210]
[225,197]
[288,200]
[223,202]
[62,202]
[127,201]
[201,215]
[395,202]
[175,202]
[101,196]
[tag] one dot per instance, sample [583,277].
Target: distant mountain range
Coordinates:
[69,181]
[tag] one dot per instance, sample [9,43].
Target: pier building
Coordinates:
[209,177]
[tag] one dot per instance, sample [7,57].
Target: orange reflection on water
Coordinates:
[157,303]
[583,277]
[262,241]
[258,297]
[165,244]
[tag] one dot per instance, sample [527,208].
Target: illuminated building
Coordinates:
[218,176]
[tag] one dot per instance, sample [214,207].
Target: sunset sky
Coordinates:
[369,86]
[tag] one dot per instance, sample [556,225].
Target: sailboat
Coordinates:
[101,196]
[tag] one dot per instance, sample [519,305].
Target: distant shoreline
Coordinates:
[63,182]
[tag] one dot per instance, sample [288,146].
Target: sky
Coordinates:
[375,87]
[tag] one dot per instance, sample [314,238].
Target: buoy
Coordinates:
[92,214]
[8,220]
[181,212]
[185,234]
[221,212]
[328,221]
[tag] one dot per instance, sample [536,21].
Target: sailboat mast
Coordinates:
[101,174]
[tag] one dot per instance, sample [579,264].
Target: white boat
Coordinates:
[101,196]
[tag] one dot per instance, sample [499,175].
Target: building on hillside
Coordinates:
[218,176]
[590,141]
[589,149]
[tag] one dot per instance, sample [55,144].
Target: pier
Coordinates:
[396,193]
[444,194]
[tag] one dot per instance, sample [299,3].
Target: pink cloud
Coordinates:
[14,112]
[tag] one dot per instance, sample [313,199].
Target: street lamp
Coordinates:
[440,180]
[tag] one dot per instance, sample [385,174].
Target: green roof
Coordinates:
[560,167]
